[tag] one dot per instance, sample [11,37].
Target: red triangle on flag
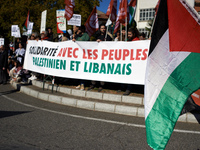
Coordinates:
[184,27]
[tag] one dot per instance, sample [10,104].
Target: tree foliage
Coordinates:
[14,12]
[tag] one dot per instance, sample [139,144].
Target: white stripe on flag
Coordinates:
[164,64]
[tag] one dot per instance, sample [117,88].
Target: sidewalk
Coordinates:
[104,102]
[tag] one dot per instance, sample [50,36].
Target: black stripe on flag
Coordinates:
[160,25]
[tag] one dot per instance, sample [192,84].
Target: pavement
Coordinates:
[95,101]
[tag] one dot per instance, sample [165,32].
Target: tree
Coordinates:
[14,12]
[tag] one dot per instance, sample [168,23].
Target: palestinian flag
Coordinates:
[25,24]
[173,68]
[132,8]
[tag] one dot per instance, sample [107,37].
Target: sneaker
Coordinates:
[82,87]
[34,78]
[78,87]
[31,78]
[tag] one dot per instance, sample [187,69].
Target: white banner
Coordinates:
[43,21]
[122,62]
[61,21]
[75,20]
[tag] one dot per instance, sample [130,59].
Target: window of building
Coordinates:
[147,14]
[144,31]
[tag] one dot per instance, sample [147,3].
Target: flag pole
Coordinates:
[126,29]
[120,32]
[107,28]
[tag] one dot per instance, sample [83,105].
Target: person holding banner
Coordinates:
[75,30]
[44,35]
[133,34]
[34,36]
[81,35]
[101,34]
[3,65]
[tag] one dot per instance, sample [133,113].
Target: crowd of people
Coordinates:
[12,58]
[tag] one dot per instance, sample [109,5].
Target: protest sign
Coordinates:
[15,31]
[61,21]
[75,20]
[43,21]
[122,62]
[1,41]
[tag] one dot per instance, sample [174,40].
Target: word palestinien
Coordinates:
[50,63]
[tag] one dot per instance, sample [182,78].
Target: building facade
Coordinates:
[145,13]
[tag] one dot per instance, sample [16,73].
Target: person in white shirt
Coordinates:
[20,52]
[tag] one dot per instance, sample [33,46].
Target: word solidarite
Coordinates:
[45,51]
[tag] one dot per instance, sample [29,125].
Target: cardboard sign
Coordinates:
[75,20]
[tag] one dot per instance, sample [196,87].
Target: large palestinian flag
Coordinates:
[173,68]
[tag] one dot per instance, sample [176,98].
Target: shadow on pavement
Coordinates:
[4,114]
[8,92]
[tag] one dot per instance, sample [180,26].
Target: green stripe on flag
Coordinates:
[183,81]
[132,13]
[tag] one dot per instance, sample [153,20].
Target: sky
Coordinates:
[104,5]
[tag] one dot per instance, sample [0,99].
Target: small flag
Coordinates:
[92,24]
[109,22]
[132,9]
[112,10]
[173,69]
[69,9]
[25,24]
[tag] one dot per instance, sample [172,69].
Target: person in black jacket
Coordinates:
[3,64]
[101,34]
